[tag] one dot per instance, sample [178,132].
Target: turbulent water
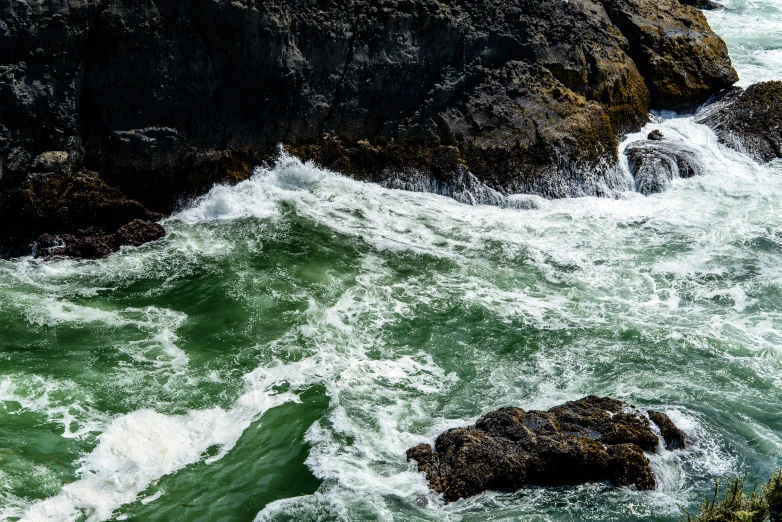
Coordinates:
[275,355]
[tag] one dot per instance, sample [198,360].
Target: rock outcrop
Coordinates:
[749,121]
[708,5]
[163,98]
[73,206]
[590,440]
[683,62]
[95,243]
[655,162]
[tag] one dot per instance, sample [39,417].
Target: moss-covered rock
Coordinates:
[683,61]
[591,440]
[749,120]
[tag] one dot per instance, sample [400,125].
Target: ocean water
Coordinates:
[274,356]
[753,31]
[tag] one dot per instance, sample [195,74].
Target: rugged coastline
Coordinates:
[163,100]
[306,345]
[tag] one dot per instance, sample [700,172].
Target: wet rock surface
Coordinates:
[655,162]
[95,243]
[748,120]
[590,440]
[165,98]
[683,62]
[708,5]
[62,203]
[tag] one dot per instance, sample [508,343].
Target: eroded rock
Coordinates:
[655,162]
[708,5]
[95,243]
[590,440]
[683,61]
[749,121]
[79,210]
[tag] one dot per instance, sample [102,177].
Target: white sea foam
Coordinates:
[61,401]
[137,449]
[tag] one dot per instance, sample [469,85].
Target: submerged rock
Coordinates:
[749,121]
[590,440]
[654,163]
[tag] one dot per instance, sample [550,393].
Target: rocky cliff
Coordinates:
[153,100]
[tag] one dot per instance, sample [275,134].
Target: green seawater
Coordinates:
[275,355]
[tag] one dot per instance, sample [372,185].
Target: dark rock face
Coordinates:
[674,437]
[749,120]
[708,5]
[683,62]
[594,439]
[654,163]
[63,203]
[138,232]
[94,243]
[164,98]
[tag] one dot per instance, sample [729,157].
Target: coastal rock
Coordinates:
[85,244]
[683,62]
[654,163]
[62,203]
[590,440]
[655,135]
[674,437]
[166,98]
[708,5]
[749,121]
[138,232]
[95,243]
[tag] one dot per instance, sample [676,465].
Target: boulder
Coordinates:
[749,121]
[683,62]
[708,5]
[674,437]
[590,440]
[138,232]
[655,162]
